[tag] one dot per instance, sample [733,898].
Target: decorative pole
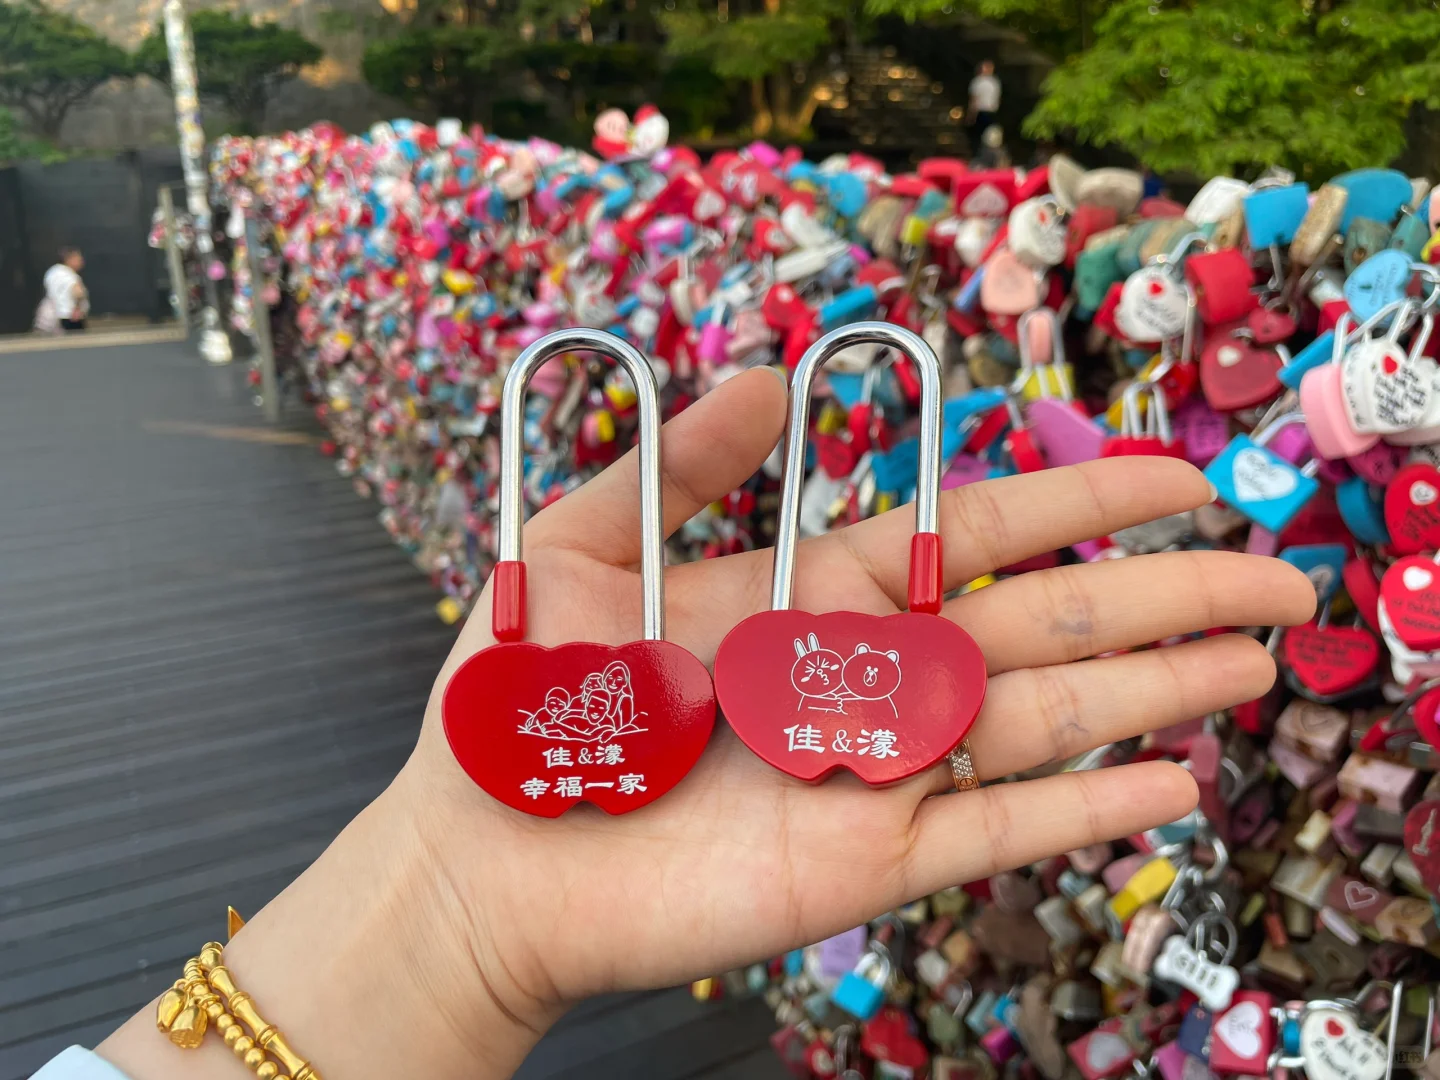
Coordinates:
[214,342]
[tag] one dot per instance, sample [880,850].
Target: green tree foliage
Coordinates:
[49,61]
[440,70]
[238,61]
[778,47]
[1210,86]
[16,145]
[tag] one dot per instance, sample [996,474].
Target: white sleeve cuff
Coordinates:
[77,1063]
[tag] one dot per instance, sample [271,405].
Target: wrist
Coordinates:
[371,964]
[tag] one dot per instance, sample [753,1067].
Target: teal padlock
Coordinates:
[1364,238]
[1096,269]
[1412,231]
[1362,508]
[1128,256]
[861,992]
[1258,482]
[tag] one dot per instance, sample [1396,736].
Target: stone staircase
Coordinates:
[906,94]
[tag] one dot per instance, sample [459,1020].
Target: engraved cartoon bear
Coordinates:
[871,676]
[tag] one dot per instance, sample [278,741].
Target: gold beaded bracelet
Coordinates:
[207,995]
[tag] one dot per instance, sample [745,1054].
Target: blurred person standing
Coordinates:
[984,99]
[65,291]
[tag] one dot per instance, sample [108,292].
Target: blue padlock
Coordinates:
[1273,214]
[1373,193]
[1362,508]
[1412,231]
[1258,482]
[848,194]
[1381,279]
[968,295]
[850,306]
[861,992]
[1321,563]
[978,1018]
[899,468]
[1194,1036]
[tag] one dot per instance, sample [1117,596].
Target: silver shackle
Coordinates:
[512,454]
[927,490]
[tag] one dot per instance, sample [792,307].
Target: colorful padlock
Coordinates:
[1258,482]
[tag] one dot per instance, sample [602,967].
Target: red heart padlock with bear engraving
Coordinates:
[884,696]
[540,728]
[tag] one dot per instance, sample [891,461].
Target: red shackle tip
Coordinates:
[926,591]
[507,617]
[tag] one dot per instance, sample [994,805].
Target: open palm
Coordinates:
[740,861]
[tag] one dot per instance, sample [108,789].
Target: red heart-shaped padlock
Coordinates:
[1332,660]
[1412,509]
[1270,326]
[614,725]
[1238,374]
[1422,842]
[885,697]
[1410,591]
[542,729]
[1364,590]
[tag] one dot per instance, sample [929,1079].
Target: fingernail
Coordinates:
[779,374]
[1214,493]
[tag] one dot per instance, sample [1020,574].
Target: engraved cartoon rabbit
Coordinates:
[816,675]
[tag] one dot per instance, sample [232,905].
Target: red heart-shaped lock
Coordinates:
[1333,660]
[1412,509]
[1422,842]
[1364,590]
[1270,326]
[1410,590]
[887,1037]
[541,729]
[883,696]
[1238,374]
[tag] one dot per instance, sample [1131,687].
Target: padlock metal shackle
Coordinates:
[508,617]
[925,561]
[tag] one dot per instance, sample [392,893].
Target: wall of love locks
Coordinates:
[1278,337]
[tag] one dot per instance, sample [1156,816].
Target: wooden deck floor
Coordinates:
[179,587]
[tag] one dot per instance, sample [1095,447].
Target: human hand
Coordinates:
[501,915]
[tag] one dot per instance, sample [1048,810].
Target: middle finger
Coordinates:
[1071,612]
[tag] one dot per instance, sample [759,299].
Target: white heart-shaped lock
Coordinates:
[1037,232]
[1153,305]
[1336,1048]
[1386,391]
[1239,1028]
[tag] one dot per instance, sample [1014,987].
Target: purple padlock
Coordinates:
[1203,430]
[964,469]
[1380,463]
[1261,541]
[838,955]
[764,153]
[427,335]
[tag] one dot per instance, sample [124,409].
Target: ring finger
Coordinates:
[1034,716]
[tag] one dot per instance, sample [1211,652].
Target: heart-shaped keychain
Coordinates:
[886,696]
[542,729]
[1330,660]
[1412,509]
[1410,592]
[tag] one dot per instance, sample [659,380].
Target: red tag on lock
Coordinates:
[1411,592]
[1333,660]
[1364,590]
[543,729]
[1243,1035]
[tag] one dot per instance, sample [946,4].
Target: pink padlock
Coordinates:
[964,469]
[1065,435]
[1379,464]
[1261,541]
[750,332]
[713,338]
[1321,399]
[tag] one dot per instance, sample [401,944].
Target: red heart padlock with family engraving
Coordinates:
[884,696]
[540,728]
